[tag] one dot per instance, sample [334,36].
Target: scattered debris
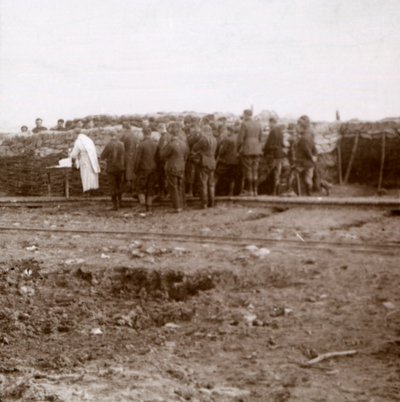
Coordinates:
[105,256]
[4,340]
[26,291]
[250,319]
[299,236]
[139,250]
[136,254]
[96,331]
[180,250]
[260,252]
[32,248]
[205,231]
[74,261]
[27,272]
[389,305]
[277,311]
[171,325]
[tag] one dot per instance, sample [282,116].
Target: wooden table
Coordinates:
[66,170]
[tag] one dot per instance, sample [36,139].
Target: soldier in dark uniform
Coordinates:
[190,169]
[39,126]
[249,149]
[228,166]
[204,154]
[174,154]
[130,141]
[274,153]
[165,137]
[146,169]
[60,126]
[114,155]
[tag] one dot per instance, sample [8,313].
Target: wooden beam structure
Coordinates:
[383,153]
[352,156]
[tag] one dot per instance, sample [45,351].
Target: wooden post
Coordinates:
[49,183]
[383,151]
[298,182]
[339,151]
[66,182]
[351,160]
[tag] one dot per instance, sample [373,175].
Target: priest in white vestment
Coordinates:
[85,156]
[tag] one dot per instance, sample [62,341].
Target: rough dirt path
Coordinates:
[113,318]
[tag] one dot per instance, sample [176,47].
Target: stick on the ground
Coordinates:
[329,355]
[390,314]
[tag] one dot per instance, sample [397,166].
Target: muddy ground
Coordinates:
[100,317]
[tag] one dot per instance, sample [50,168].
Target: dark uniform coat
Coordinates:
[114,154]
[146,155]
[130,140]
[274,146]
[174,154]
[249,139]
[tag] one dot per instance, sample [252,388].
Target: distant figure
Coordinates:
[146,169]
[190,170]
[78,124]
[274,153]
[131,142]
[89,124]
[220,131]
[25,131]
[60,126]
[165,137]
[174,153]
[249,149]
[203,155]
[39,126]
[114,154]
[85,156]
[305,153]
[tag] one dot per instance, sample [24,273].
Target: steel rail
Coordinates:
[231,240]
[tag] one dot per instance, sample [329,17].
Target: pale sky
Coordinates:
[71,58]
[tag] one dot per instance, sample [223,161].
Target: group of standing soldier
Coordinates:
[193,157]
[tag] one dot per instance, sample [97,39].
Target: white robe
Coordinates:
[84,153]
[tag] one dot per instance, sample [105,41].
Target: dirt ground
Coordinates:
[101,317]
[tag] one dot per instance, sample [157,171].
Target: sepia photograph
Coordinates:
[199,200]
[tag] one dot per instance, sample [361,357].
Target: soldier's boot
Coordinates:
[247,188]
[231,189]
[276,189]
[119,200]
[211,196]
[308,189]
[114,202]
[255,187]
[142,199]
[190,190]
[326,186]
[149,203]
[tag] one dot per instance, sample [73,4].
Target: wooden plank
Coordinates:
[383,152]
[339,151]
[351,160]
[66,183]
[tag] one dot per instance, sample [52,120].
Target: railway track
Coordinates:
[392,248]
